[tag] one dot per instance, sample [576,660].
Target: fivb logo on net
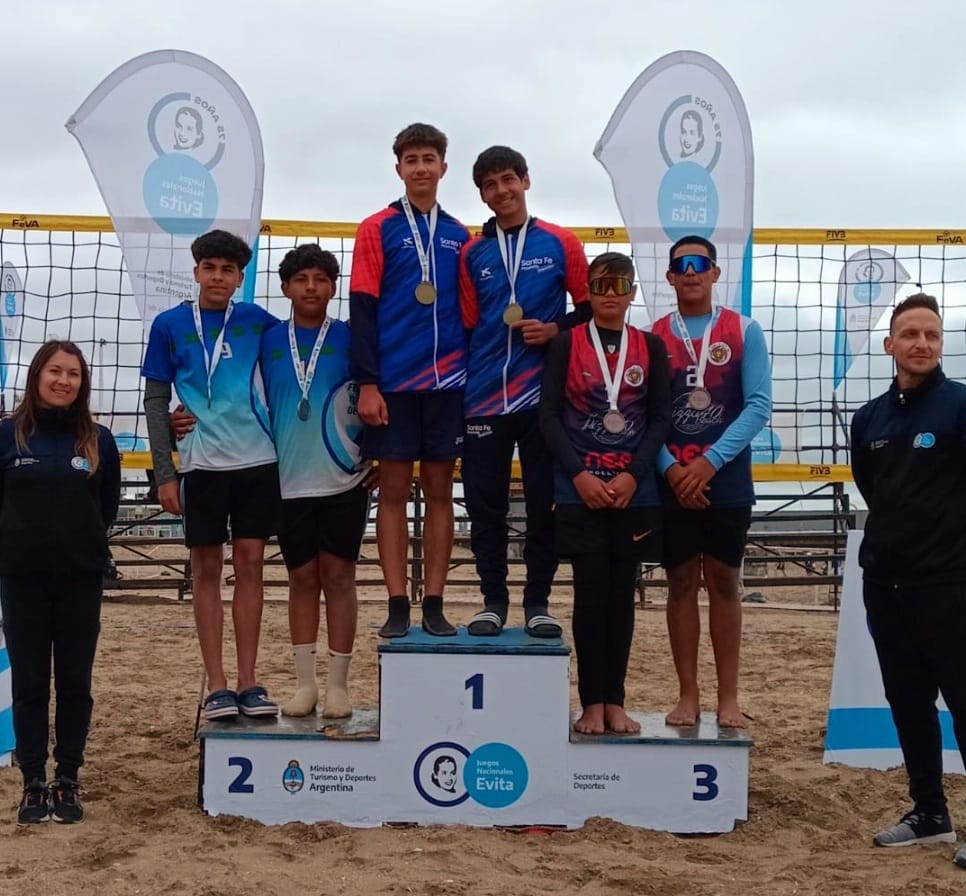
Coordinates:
[689,136]
[187,133]
[868,282]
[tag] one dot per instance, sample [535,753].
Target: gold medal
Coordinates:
[512,313]
[699,400]
[614,422]
[425,293]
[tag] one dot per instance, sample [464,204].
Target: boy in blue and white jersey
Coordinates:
[208,351]
[325,499]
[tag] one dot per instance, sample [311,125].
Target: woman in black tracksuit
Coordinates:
[59,491]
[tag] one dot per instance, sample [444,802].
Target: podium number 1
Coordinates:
[475,684]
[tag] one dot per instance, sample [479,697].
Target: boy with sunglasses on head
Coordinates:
[605,412]
[514,281]
[720,400]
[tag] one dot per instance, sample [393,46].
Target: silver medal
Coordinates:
[304,409]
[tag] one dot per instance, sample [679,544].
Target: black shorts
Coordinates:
[632,533]
[422,426]
[330,524]
[721,532]
[248,498]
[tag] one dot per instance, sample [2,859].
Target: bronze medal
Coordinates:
[425,293]
[304,409]
[699,400]
[512,313]
[614,422]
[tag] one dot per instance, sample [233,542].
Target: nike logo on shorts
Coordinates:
[642,536]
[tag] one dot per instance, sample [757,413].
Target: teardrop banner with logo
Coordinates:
[176,151]
[11,313]
[868,284]
[679,154]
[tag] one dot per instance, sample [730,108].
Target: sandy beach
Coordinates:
[809,827]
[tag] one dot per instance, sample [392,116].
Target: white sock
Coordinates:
[306,684]
[337,705]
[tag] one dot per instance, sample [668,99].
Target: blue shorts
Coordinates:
[422,426]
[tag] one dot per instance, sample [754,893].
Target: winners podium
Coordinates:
[474,731]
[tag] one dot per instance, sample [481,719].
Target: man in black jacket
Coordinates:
[909,463]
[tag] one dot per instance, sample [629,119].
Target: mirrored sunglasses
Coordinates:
[700,264]
[620,286]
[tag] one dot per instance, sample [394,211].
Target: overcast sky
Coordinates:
[855,105]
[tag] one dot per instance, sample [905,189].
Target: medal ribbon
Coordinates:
[512,266]
[421,250]
[612,385]
[305,373]
[211,363]
[700,364]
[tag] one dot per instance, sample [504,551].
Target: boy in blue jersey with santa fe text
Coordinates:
[720,400]
[325,500]
[208,351]
[605,411]
[409,358]
[514,281]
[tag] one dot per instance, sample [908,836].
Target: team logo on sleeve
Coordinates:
[719,354]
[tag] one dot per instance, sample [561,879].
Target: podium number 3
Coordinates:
[475,684]
[704,778]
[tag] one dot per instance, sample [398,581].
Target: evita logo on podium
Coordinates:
[446,773]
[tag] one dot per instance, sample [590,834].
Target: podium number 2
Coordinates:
[704,778]
[244,766]
[475,684]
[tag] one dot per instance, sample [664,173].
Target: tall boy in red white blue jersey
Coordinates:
[514,281]
[720,400]
[408,356]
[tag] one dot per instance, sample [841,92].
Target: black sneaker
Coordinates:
[65,801]
[916,827]
[34,804]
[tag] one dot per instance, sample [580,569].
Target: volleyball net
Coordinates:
[63,277]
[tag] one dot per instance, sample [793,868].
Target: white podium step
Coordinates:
[474,731]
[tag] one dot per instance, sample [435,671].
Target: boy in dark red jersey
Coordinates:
[720,400]
[605,412]
[408,355]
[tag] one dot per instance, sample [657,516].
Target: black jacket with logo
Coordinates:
[909,462]
[54,516]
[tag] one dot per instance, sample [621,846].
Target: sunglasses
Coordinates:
[620,285]
[700,264]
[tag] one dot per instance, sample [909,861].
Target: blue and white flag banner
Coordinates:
[679,154]
[11,313]
[860,729]
[176,151]
[868,284]
[7,742]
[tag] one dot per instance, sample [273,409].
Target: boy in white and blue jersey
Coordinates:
[325,499]
[208,351]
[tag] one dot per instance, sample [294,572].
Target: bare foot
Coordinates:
[685,714]
[618,721]
[730,715]
[591,720]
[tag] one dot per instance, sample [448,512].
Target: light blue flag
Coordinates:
[867,286]
[679,154]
